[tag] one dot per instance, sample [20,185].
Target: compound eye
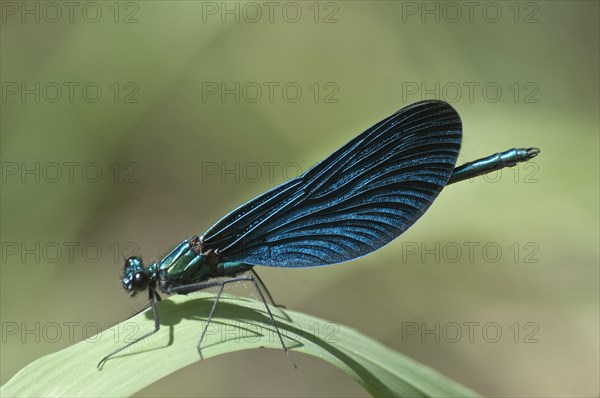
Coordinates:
[140,282]
[133,263]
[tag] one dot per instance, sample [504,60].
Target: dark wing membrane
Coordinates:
[355,201]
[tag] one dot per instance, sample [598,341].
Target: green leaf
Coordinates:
[73,372]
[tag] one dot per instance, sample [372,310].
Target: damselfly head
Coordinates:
[135,276]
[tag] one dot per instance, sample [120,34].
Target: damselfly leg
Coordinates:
[221,284]
[185,289]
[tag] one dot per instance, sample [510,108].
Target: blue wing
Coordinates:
[355,201]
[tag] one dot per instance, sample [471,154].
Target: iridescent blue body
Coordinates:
[354,202]
[492,163]
[185,265]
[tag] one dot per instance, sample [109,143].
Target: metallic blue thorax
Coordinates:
[188,264]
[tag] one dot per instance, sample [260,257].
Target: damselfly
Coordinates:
[357,200]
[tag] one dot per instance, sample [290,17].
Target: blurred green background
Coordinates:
[175,156]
